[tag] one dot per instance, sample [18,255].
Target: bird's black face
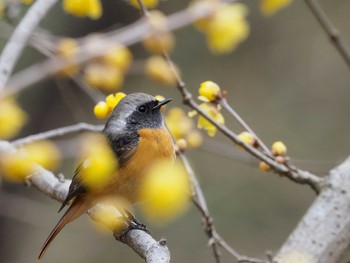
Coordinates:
[147,115]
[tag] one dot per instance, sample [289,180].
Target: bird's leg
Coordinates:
[131,219]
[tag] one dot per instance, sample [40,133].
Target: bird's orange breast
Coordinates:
[154,145]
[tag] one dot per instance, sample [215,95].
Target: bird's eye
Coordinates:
[142,109]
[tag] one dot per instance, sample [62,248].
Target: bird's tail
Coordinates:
[78,207]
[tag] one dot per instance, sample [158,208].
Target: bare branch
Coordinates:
[20,36]
[59,132]
[330,29]
[57,188]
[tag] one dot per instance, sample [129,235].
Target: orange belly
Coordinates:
[154,145]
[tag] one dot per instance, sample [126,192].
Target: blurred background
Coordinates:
[286,80]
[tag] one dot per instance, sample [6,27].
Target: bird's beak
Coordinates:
[162,103]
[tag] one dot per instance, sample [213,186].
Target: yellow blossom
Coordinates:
[182,144]
[214,112]
[194,139]
[165,195]
[27,2]
[158,69]
[247,137]
[16,166]
[68,49]
[178,123]
[81,8]
[12,118]
[119,56]
[44,153]
[103,76]
[147,3]
[106,213]
[159,42]
[98,164]
[226,27]
[113,99]
[264,167]
[270,7]
[278,148]
[209,91]
[101,110]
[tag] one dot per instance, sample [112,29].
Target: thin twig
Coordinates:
[330,29]
[228,107]
[20,36]
[59,132]
[215,240]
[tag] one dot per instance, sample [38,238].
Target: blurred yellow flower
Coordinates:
[119,56]
[226,27]
[194,139]
[103,76]
[68,49]
[147,3]
[81,8]
[213,111]
[98,164]
[16,166]
[44,153]
[264,167]
[165,192]
[178,123]
[209,91]
[159,42]
[12,118]
[270,7]
[158,69]
[27,2]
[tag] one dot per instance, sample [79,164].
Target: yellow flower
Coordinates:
[119,56]
[81,8]
[68,49]
[16,166]
[194,139]
[113,99]
[214,112]
[165,195]
[158,69]
[264,167]
[103,76]
[209,91]
[247,137]
[98,164]
[159,43]
[147,3]
[12,118]
[178,123]
[227,28]
[101,110]
[270,7]
[44,153]
[27,2]
[278,148]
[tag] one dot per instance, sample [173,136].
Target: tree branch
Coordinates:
[330,29]
[20,36]
[322,235]
[57,188]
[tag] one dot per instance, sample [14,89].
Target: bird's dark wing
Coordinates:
[76,188]
[124,147]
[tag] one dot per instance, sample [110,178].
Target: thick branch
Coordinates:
[20,36]
[57,188]
[323,233]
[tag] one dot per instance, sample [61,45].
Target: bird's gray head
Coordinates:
[134,112]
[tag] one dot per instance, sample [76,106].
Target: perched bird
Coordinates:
[137,135]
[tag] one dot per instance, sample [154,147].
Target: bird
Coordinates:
[137,135]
